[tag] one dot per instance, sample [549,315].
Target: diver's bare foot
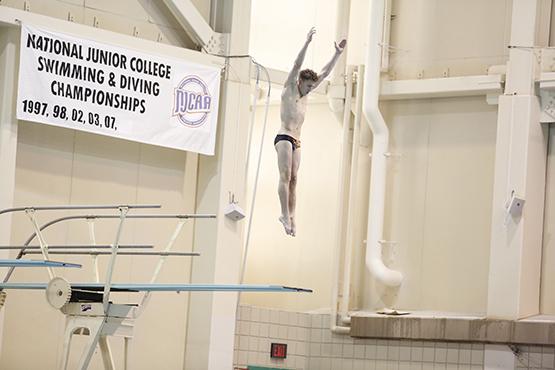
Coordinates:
[293,227]
[285,225]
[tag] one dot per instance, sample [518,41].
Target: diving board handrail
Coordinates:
[77,246]
[32,237]
[127,253]
[30,211]
[100,216]
[139,216]
[78,207]
[93,251]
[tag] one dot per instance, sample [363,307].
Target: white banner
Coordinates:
[104,89]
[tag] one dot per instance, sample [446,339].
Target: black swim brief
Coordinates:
[294,142]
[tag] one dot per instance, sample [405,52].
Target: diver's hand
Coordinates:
[310,34]
[341,46]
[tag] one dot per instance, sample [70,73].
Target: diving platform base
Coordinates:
[89,319]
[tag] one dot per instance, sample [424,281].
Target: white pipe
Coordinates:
[380,145]
[337,82]
[341,206]
[358,245]
[351,208]
[336,329]
[386,36]
[341,108]
[253,114]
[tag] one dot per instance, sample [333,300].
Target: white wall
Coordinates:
[438,204]
[438,208]
[279,29]
[465,37]
[304,260]
[439,192]
[447,148]
[548,255]
[60,166]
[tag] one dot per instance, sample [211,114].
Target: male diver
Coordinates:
[287,142]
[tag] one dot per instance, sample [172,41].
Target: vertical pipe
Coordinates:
[337,83]
[380,145]
[213,13]
[345,157]
[253,115]
[386,35]
[351,215]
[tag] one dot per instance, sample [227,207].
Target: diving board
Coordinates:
[96,287]
[35,263]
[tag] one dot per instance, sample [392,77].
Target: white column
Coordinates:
[521,153]
[9,39]
[211,320]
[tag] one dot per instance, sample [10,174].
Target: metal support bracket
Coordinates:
[198,28]
[218,44]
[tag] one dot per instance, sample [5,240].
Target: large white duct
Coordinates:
[380,145]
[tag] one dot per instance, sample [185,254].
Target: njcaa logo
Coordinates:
[192,101]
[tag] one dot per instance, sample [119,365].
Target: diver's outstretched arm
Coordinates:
[292,77]
[339,48]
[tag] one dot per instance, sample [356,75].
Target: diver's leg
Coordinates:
[284,151]
[296,161]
